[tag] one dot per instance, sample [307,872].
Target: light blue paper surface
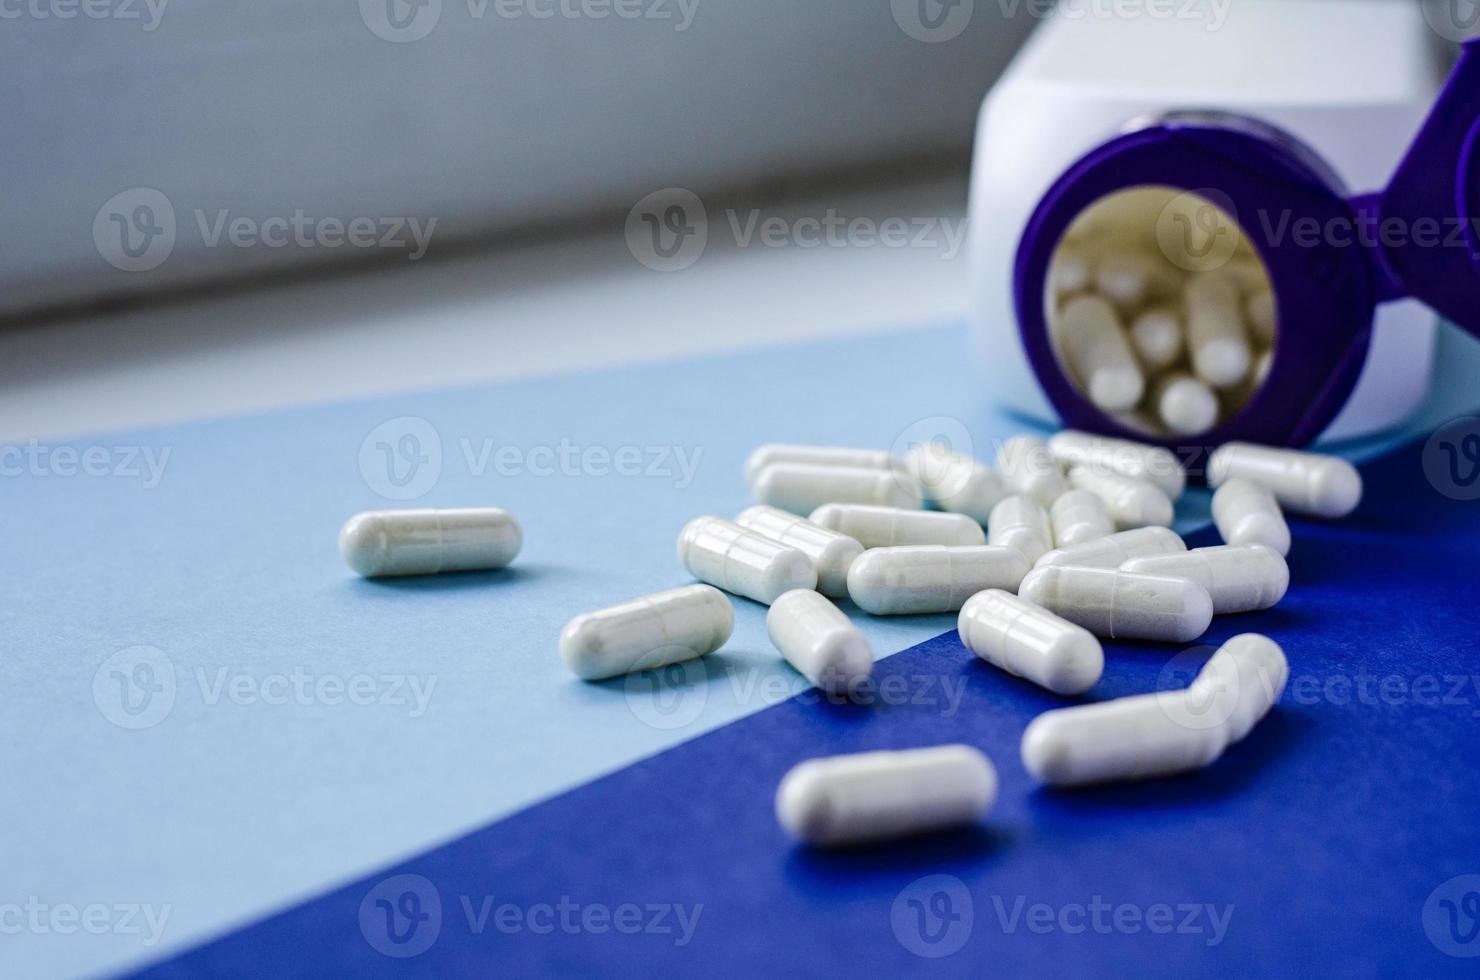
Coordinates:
[321,725]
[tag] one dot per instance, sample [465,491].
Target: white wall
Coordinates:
[488,123]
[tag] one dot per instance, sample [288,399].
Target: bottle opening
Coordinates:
[1160,310]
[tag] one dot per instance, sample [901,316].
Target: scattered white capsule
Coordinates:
[1028,467]
[956,483]
[1246,513]
[1020,522]
[1115,550]
[726,555]
[429,542]
[1116,604]
[931,579]
[1132,503]
[1239,578]
[1133,459]
[1157,337]
[1079,516]
[889,527]
[1185,405]
[1030,642]
[1069,272]
[647,633]
[1306,483]
[866,459]
[1164,733]
[1261,315]
[1139,737]
[1239,684]
[818,640]
[1089,335]
[874,796]
[1216,338]
[802,488]
[831,553]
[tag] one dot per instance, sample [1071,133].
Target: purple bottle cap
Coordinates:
[1325,291]
[1436,192]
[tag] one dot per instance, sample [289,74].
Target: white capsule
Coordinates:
[956,483]
[1164,733]
[1157,337]
[1028,467]
[429,542]
[1306,483]
[1246,513]
[818,640]
[1261,315]
[866,459]
[1079,516]
[726,555]
[889,527]
[1137,737]
[1239,684]
[1069,272]
[1029,641]
[1216,338]
[1184,404]
[831,553]
[1128,279]
[874,796]
[1115,550]
[1262,366]
[1239,578]
[1116,604]
[931,579]
[647,633]
[1133,459]
[1020,522]
[801,488]
[1089,335]
[1132,503]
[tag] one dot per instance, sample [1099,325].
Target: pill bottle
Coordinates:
[1159,166]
